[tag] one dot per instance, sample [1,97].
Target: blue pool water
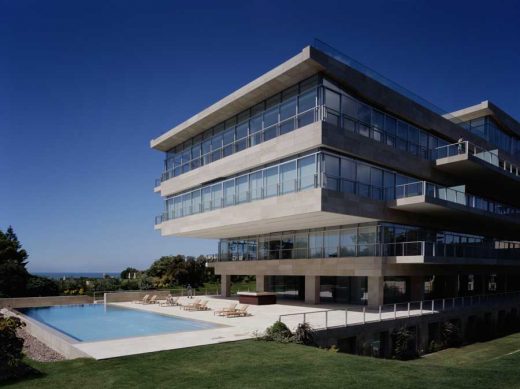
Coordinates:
[91,322]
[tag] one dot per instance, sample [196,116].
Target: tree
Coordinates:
[13,260]
[128,271]
[41,286]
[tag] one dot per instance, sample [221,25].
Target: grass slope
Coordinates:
[256,364]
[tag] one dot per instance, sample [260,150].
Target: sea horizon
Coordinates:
[60,275]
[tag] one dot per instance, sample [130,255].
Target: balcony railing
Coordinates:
[424,188]
[398,249]
[469,148]
[228,200]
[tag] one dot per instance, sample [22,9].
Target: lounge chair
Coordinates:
[191,306]
[221,312]
[202,306]
[153,300]
[242,311]
[170,301]
[144,300]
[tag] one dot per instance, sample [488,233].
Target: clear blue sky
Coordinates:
[85,85]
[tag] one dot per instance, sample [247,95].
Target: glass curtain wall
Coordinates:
[344,290]
[296,107]
[486,128]
[355,241]
[282,113]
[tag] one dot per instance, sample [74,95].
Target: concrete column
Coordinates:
[416,288]
[422,337]
[375,291]
[260,283]
[225,285]
[312,289]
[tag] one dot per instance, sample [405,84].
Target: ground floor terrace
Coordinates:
[368,281]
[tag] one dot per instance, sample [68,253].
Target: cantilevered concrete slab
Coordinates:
[479,175]
[281,77]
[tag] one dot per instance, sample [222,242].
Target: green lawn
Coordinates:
[258,364]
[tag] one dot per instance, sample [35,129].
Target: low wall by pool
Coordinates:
[28,302]
[122,297]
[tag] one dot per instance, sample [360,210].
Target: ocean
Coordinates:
[58,275]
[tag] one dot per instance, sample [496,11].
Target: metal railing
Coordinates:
[227,200]
[281,127]
[425,188]
[469,148]
[397,249]
[335,318]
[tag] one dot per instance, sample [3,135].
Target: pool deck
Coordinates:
[232,329]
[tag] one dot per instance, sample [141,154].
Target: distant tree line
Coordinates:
[165,272]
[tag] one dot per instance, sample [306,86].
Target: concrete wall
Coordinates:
[120,297]
[26,302]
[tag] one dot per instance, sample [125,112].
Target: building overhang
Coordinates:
[479,176]
[292,71]
[295,211]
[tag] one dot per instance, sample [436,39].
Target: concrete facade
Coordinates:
[484,216]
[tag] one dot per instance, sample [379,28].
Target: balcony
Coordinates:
[400,253]
[480,168]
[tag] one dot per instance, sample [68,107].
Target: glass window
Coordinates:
[307,101]
[390,125]
[348,241]
[216,196]
[349,106]
[288,177]
[206,199]
[316,244]
[332,100]
[348,169]
[378,119]
[242,189]
[301,244]
[229,192]
[256,186]
[331,243]
[271,181]
[195,204]
[307,172]
[364,113]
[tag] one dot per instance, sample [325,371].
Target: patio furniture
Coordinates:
[144,300]
[221,312]
[191,305]
[170,301]
[242,311]
[153,300]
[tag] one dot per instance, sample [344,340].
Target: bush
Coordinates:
[304,334]
[450,335]
[404,344]
[278,332]
[10,348]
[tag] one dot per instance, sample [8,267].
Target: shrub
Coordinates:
[450,335]
[404,344]
[10,347]
[278,332]
[304,334]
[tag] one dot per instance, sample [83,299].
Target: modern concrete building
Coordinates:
[331,184]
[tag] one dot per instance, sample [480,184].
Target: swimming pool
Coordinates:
[93,322]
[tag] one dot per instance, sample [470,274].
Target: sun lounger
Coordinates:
[143,301]
[190,306]
[170,301]
[153,300]
[242,311]
[221,312]
[202,306]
